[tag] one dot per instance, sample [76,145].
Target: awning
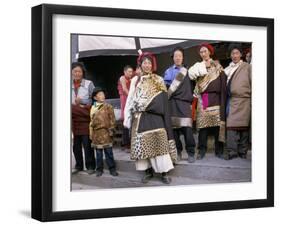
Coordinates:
[96,45]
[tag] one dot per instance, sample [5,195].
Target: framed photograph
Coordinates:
[145,112]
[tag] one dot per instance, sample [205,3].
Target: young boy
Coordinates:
[101,131]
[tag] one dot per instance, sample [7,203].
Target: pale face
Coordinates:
[100,97]
[235,56]
[146,66]
[178,58]
[128,73]
[204,53]
[77,73]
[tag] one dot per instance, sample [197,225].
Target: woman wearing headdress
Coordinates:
[147,115]
[210,90]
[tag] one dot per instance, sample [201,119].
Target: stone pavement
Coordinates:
[206,171]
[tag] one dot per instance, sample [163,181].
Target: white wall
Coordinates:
[15,120]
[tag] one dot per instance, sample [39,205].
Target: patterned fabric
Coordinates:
[102,126]
[149,86]
[213,72]
[208,117]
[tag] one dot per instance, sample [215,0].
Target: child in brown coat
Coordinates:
[101,131]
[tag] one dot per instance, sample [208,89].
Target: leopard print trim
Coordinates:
[210,117]
[149,144]
[147,89]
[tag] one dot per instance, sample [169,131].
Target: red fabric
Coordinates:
[80,119]
[208,46]
[150,55]
[123,96]
[76,85]
[194,106]
[123,99]
[119,86]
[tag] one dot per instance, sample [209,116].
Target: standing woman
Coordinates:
[147,114]
[82,90]
[210,90]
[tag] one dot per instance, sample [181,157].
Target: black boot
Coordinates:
[201,154]
[147,176]
[113,172]
[99,173]
[219,154]
[230,156]
[165,179]
[242,155]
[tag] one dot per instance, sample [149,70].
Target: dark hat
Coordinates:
[96,91]
[233,46]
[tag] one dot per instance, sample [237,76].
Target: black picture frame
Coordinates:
[42,111]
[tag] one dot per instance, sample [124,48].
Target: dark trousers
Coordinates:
[126,137]
[188,139]
[237,141]
[108,158]
[203,139]
[89,153]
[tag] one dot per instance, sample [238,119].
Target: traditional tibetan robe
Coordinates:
[180,99]
[147,114]
[239,95]
[210,90]
[102,125]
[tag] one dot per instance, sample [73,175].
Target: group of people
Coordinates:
[157,110]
